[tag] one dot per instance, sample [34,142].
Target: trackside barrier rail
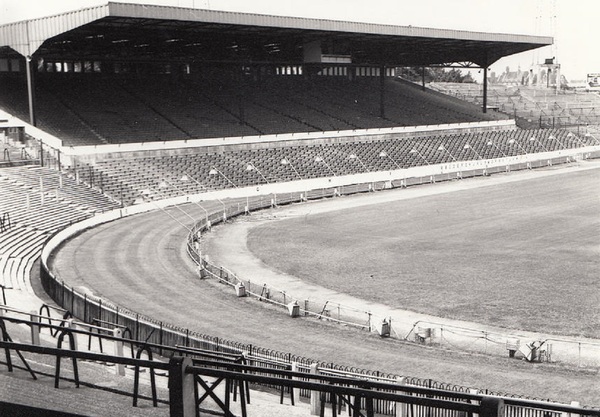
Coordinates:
[89,308]
[337,389]
[186,377]
[358,396]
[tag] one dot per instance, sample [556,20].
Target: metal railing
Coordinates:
[91,308]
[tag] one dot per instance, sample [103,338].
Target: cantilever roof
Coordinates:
[136,31]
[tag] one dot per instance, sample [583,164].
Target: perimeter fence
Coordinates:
[92,309]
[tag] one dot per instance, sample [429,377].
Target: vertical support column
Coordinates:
[474,392]
[315,396]
[423,78]
[41,153]
[30,89]
[241,96]
[401,408]
[296,391]
[382,91]
[485,88]
[71,325]
[35,329]
[118,348]
[574,404]
[492,407]
[181,388]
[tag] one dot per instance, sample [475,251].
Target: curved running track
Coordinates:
[141,262]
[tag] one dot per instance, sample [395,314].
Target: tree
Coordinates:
[453,75]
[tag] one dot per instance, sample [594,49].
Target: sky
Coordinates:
[574,24]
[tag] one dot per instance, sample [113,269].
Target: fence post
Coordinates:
[574,404]
[35,329]
[474,391]
[71,325]
[118,347]
[491,407]
[401,408]
[315,396]
[181,388]
[296,391]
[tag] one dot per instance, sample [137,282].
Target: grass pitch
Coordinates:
[522,255]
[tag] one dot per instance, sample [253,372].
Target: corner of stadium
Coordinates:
[198,207]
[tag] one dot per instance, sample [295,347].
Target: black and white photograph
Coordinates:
[320,208]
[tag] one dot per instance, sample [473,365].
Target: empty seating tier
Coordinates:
[91,109]
[157,177]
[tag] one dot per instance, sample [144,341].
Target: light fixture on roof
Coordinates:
[467,146]
[532,139]
[213,171]
[184,177]
[318,159]
[163,184]
[441,148]
[383,154]
[284,161]
[352,156]
[510,142]
[249,167]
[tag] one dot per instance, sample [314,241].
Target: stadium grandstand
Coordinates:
[121,109]
[533,107]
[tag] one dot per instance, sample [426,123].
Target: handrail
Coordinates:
[108,337]
[90,356]
[342,389]
[200,337]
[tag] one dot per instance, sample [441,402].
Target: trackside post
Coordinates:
[315,396]
[118,349]
[182,402]
[401,408]
[492,407]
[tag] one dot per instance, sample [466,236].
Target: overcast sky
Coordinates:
[576,28]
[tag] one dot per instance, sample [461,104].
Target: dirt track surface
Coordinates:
[140,262]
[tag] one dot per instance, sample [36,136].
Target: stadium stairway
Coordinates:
[34,203]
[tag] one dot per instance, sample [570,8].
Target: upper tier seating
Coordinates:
[91,109]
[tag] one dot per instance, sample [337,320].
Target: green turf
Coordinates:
[522,255]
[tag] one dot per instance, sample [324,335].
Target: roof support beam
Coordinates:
[382,91]
[485,88]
